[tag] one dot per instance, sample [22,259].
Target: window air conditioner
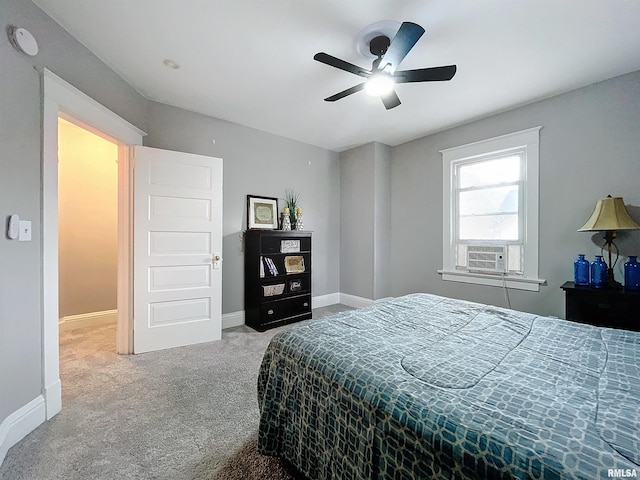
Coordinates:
[487,258]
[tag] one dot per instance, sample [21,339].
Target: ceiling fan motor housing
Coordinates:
[378,45]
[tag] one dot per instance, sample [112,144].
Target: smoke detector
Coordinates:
[22,40]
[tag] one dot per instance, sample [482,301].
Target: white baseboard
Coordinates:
[355,302]
[233,319]
[325,300]
[91,319]
[20,423]
[53,399]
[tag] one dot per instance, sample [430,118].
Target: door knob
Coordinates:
[216,259]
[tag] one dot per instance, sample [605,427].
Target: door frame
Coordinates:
[62,99]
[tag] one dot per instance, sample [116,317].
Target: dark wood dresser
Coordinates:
[602,307]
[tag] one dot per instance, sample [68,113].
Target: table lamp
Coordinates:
[609,216]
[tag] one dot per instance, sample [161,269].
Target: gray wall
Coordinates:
[365,213]
[20,179]
[382,222]
[589,148]
[259,163]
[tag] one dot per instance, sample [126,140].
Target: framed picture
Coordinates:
[289,246]
[262,212]
[295,285]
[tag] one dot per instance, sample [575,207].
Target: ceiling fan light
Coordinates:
[379,85]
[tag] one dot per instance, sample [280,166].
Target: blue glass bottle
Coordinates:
[598,273]
[581,270]
[632,273]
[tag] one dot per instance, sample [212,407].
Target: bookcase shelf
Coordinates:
[277,277]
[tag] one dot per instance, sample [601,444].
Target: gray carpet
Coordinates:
[184,413]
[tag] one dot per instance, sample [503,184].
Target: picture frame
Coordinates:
[295,285]
[262,213]
[289,246]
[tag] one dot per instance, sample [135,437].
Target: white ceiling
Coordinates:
[251,61]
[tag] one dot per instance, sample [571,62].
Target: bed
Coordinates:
[422,386]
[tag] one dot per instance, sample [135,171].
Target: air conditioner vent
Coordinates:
[487,258]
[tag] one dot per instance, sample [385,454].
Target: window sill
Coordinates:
[518,283]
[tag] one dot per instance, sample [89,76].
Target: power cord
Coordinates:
[506,291]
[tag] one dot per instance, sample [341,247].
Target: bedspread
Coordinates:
[423,386]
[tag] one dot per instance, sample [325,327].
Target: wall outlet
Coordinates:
[25,231]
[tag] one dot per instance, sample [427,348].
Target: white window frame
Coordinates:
[529,141]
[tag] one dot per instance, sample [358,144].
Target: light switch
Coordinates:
[25,231]
[13,228]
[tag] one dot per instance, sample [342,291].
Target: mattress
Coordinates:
[423,386]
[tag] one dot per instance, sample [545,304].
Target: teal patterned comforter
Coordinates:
[423,387]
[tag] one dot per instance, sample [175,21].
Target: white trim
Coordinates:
[233,319]
[502,142]
[383,299]
[50,312]
[529,139]
[52,394]
[325,300]
[517,283]
[84,108]
[90,319]
[354,301]
[20,423]
[61,98]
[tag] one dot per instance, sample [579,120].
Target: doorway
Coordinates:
[62,99]
[87,228]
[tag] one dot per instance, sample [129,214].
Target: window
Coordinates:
[490,198]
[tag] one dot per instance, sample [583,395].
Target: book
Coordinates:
[270,266]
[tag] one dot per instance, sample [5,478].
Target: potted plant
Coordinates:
[291,200]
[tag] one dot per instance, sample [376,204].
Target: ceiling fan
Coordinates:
[384,74]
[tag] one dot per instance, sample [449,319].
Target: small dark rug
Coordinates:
[247,464]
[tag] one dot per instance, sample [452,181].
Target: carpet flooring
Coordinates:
[185,413]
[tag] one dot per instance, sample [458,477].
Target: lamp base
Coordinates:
[611,282]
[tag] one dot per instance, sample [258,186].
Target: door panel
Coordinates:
[177,232]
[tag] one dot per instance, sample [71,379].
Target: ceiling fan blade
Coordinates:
[341,64]
[344,93]
[390,100]
[407,36]
[433,74]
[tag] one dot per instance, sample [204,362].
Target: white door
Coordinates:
[177,253]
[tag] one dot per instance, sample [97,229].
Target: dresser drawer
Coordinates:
[287,307]
[602,307]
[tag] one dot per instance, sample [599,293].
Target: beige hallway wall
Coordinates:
[87,209]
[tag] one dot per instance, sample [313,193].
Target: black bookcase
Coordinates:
[277,277]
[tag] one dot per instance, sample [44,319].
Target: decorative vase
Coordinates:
[581,270]
[632,273]
[286,220]
[299,223]
[598,273]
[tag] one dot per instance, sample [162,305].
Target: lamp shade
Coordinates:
[609,214]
